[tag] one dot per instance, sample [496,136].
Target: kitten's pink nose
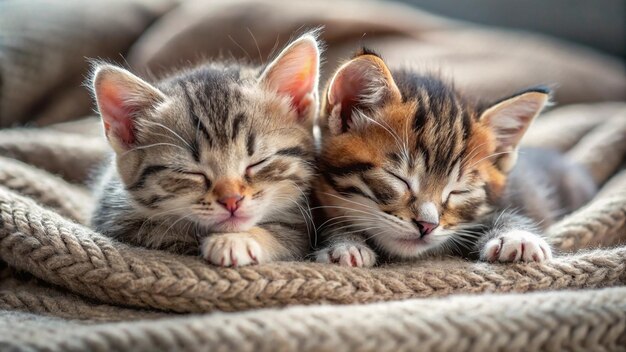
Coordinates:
[231,202]
[425,227]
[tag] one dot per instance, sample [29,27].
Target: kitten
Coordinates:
[410,168]
[217,158]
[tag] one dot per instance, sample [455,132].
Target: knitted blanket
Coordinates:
[65,287]
[57,267]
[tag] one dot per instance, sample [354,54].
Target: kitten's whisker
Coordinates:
[464,239]
[359,230]
[464,226]
[176,222]
[340,224]
[343,208]
[240,47]
[166,232]
[257,46]
[393,134]
[174,133]
[489,156]
[158,214]
[338,229]
[306,212]
[303,213]
[378,215]
[473,233]
[194,234]
[341,217]
[496,222]
[471,154]
[467,239]
[275,46]
[377,212]
[308,206]
[153,145]
[457,245]
[407,155]
[350,201]
[389,222]
[383,231]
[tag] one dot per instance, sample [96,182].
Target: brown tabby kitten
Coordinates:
[217,158]
[409,168]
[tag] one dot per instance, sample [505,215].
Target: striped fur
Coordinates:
[402,150]
[202,135]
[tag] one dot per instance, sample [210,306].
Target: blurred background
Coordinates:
[489,48]
[600,24]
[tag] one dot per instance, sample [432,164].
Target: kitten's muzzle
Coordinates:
[229,193]
[231,202]
[425,227]
[427,219]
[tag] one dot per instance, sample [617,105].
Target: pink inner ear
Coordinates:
[298,88]
[346,89]
[294,74]
[116,114]
[345,92]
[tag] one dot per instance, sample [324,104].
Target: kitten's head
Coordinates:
[406,160]
[221,146]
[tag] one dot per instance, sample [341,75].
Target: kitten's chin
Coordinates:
[231,224]
[407,247]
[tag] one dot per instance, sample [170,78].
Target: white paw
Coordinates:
[347,254]
[516,246]
[232,249]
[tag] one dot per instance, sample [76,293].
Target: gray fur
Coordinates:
[543,187]
[194,128]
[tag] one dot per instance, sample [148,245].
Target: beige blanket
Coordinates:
[64,287]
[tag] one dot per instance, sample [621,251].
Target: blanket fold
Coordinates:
[64,287]
[587,321]
[52,245]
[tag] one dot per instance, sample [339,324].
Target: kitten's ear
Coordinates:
[295,74]
[510,118]
[122,98]
[358,86]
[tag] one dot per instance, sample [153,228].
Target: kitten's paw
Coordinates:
[232,249]
[347,254]
[516,246]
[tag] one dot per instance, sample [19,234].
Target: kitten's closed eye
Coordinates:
[401,179]
[179,182]
[458,194]
[200,177]
[250,169]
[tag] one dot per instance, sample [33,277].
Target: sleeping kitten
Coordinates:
[411,168]
[217,158]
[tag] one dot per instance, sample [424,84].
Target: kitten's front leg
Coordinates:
[348,250]
[256,246]
[512,238]
[232,249]
[516,246]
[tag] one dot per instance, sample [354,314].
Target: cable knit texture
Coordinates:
[56,266]
[64,287]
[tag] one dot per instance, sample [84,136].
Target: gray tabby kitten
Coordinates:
[218,158]
[409,167]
